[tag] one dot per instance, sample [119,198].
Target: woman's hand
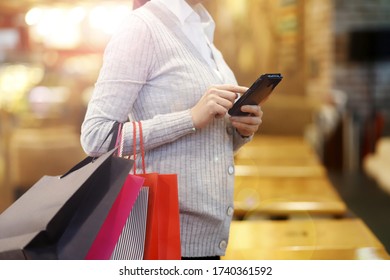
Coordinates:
[215,103]
[248,125]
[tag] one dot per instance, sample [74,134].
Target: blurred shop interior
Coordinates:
[334,56]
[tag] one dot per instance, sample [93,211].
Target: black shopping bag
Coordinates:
[59,217]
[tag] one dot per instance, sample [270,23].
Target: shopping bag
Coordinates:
[131,243]
[117,232]
[59,217]
[122,235]
[162,241]
[108,235]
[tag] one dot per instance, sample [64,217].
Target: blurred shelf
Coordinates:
[280,171]
[286,196]
[310,239]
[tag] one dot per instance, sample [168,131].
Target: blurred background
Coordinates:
[334,56]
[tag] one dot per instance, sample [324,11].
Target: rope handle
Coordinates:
[142,148]
[134,147]
[141,139]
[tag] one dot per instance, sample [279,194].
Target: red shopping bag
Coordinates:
[162,240]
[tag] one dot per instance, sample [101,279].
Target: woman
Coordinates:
[161,68]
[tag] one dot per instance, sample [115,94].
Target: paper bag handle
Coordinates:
[142,148]
[116,129]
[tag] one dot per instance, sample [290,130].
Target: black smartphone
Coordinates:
[257,93]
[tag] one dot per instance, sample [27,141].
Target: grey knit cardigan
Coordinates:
[152,73]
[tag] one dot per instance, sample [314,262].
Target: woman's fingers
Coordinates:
[247,125]
[216,102]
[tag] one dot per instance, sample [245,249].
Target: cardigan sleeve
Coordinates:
[127,63]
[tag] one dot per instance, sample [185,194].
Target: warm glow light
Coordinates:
[77,14]
[238,8]
[33,16]
[61,26]
[96,17]
[107,18]
[15,81]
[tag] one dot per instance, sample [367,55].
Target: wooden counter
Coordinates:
[286,196]
[303,240]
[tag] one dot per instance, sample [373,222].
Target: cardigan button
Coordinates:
[223,245]
[230,211]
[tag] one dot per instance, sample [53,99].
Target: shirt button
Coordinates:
[231,170]
[230,211]
[222,245]
[229,130]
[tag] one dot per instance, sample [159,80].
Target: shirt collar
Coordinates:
[185,13]
[206,21]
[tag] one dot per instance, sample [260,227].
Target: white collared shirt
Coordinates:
[197,25]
